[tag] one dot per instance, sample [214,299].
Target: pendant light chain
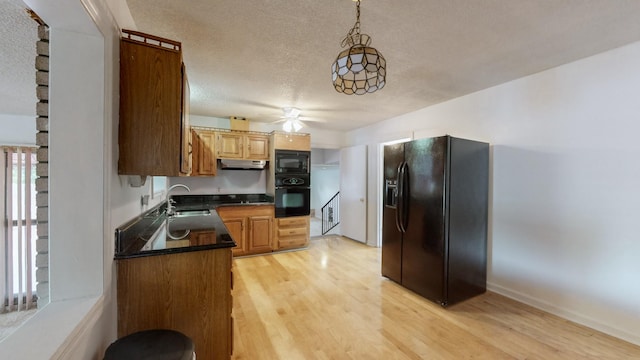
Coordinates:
[356,26]
[353,37]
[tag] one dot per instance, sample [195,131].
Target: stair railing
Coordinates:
[331,213]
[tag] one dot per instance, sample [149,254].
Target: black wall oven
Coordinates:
[293,195]
[291,162]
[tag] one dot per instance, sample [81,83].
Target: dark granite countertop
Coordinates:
[196,226]
[191,202]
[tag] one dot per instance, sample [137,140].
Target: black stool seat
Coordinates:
[151,344]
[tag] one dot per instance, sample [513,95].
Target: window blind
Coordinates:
[17,240]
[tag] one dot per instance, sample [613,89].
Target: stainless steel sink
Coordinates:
[184,213]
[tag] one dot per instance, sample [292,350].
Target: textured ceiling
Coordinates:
[18,36]
[251,61]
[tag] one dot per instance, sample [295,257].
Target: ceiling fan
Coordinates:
[292,121]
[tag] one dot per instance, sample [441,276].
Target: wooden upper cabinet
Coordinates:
[257,147]
[292,141]
[153,133]
[229,145]
[204,156]
[237,145]
[186,142]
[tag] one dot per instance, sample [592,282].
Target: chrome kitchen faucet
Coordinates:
[169,200]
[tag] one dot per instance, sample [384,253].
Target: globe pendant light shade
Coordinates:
[359,69]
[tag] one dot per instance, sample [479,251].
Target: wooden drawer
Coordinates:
[293,222]
[292,242]
[292,232]
[285,232]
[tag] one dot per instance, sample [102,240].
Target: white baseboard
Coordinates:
[565,313]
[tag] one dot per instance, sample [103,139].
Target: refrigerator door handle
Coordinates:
[404,216]
[398,195]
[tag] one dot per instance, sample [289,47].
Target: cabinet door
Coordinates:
[290,141]
[185,141]
[198,238]
[260,234]
[257,147]
[229,145]
[250,226]
[150,131]
[200,283]
[204,159]
[236,227]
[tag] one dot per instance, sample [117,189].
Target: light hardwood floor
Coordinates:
[330,302]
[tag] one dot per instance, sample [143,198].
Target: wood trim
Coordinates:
[158,42]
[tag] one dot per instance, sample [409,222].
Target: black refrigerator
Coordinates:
[434,228]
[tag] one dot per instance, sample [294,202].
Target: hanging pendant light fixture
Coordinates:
[360,69]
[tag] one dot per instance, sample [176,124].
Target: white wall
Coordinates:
[325,182]
[325,177]
[225,182]
[563,227]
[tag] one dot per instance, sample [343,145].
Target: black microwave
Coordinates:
[292,162]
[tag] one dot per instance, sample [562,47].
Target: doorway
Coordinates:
[325,183]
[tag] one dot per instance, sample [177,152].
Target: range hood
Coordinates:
[232,164]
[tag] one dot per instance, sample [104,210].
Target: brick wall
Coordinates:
[42,169]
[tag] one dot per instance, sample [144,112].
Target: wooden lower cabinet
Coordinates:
[250,226]
[292,232]
[236,224]
[189,292]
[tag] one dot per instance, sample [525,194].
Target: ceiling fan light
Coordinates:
[287,126]
[297,126]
